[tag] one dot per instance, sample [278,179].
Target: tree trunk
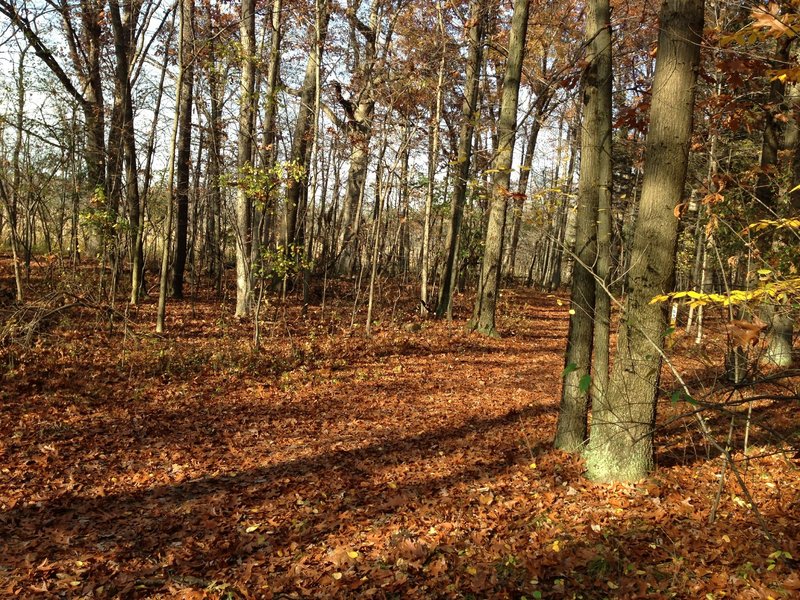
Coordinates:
[778,352]
[184,143]
[300,155]
[483,318]
[359,127]
[469,115]
[542,101]
[244,162]
[571,429]
[433,160]
[269,152]
[166,238]
[603,137]
[123,24]
[621,442]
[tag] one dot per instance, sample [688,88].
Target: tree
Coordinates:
[483,318]
[300,152]
[359,110]
[247,110]
[469,117]
[184,145]
[621,440]
[594,183]
[124,23]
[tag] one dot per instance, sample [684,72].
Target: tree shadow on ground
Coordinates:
[146,524]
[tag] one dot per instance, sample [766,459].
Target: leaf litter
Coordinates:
[416,463]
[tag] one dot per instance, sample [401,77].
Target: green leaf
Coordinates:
[681,396]
[569,369]
[584,383]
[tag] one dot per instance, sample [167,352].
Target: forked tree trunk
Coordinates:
[621,441]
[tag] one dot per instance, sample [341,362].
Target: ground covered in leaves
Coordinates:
[415,463]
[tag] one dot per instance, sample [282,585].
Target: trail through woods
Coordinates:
[413,464]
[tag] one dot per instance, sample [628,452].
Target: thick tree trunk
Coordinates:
[621,442]
[483,318]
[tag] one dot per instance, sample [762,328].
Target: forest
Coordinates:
[399,299]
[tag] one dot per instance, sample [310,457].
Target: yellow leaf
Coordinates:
[337,576]
[353,554]
[556,546]
[252,528]
[532,465]
[472,570]
[392,485]
[726,539]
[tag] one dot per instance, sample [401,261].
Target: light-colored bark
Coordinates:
[433,159]
[247,101]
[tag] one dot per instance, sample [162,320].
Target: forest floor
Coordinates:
[409,464]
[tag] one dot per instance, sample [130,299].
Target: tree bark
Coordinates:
[483,318]
[572,427]
[621,442]
[123,24]
[300,155]
[603,138]
[184,142]
[540,108]
[433,160]
[244,162]
[469,116]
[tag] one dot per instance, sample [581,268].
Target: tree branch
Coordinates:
[42,51]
